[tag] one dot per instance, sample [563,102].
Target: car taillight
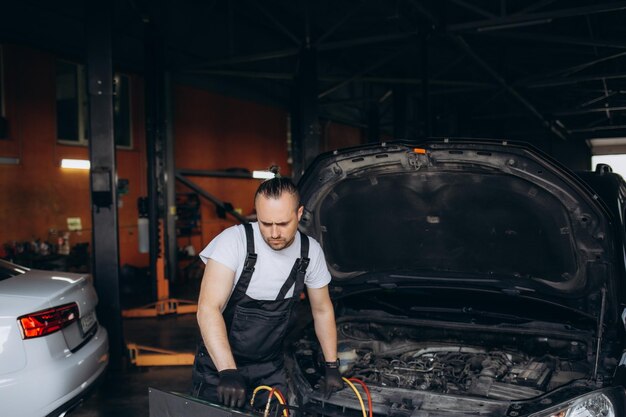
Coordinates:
[48,321]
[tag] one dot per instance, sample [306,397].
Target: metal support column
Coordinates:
[155,114]
[305,127]
[399,112]
[161,193]
[171,245]
[105,252]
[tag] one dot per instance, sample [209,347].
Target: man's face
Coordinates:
[278,219]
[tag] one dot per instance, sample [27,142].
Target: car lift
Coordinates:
[164,304]
[161,207]
[141,355]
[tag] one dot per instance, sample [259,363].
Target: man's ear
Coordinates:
[300,211]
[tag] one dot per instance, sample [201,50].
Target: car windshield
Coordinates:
[454,221]
[8,270]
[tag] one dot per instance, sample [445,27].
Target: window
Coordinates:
[72,110]
[617,162]
[71,103]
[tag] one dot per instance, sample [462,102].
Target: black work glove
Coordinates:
[332,380]
[231,390]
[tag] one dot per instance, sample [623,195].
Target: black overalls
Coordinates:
[256,329]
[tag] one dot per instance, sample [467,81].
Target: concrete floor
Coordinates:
[124,393]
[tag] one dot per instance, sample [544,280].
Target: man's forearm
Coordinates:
[213,330]
[326,331]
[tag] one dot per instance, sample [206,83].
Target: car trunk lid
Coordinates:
[50,289]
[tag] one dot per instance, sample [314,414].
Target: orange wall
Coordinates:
[37,194]
[212,132]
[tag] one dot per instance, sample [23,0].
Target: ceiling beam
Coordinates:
[512,91]
[588,111]
[603,97]
[244,74]
[361,41]
[573,80]
[474,8]
[356,100]
[243,59]
[337,25]
[290,52]
[566,40]
[531,18]
[276,22]
[473,85]
[460,42]
[361,73]
[565,72]
[599,129]
[538,5]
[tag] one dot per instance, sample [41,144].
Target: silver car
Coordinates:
[52,349]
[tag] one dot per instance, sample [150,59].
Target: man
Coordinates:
[253,278]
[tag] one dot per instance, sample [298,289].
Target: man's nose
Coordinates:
[275,232]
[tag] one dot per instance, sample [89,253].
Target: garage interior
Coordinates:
[177,104]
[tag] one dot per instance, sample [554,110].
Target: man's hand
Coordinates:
[231,390]
[332,380]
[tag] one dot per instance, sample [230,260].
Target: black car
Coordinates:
[470,278]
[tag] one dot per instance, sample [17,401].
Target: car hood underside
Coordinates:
[492,213]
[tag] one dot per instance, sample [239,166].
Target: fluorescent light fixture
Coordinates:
[263,175]
[75,163]
[4,160]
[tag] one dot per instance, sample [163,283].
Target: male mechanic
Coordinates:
[253,278]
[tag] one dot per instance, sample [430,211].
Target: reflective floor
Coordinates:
[124,393]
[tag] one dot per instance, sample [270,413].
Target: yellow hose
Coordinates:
[358,395]
[275,392]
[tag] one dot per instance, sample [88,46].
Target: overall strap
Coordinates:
[298,271]
[248,266]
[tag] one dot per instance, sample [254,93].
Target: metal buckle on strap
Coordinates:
[250,262]
[303,264]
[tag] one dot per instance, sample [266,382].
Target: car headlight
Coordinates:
[596,404]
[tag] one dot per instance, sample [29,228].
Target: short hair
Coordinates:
[275,187]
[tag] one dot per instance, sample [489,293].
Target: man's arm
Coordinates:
[326,331]
[217,283]
[324,319]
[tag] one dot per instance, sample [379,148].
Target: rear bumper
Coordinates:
[77,400]
[43,388]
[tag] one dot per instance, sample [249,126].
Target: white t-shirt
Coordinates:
[272,266]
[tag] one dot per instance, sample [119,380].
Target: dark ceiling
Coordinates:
[544,70]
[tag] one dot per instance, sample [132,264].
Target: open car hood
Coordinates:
[495,216]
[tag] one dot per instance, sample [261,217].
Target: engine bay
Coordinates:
[392,358]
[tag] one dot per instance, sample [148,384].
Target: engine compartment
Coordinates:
[388,356]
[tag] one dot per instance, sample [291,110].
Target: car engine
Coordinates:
[504,367]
